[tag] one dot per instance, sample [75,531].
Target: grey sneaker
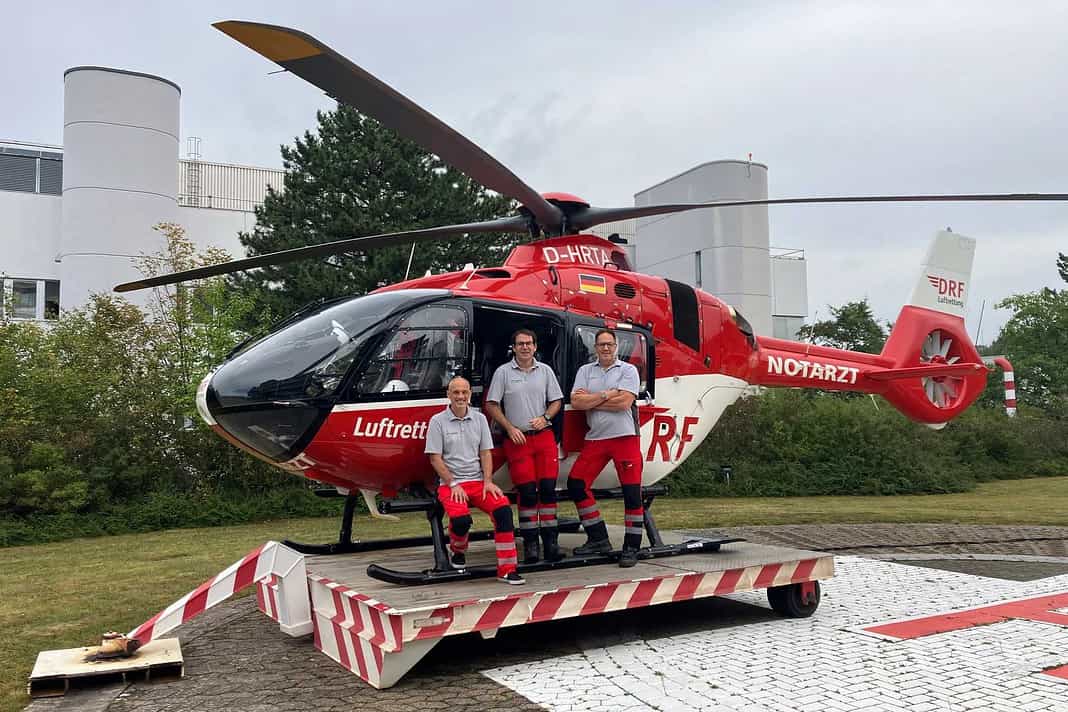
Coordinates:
[459,560]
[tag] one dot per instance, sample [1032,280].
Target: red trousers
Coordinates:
[534,460]
[461,512]
[624,452]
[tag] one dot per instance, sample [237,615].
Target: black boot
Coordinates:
[531,551]
[550,544]
[593,546]
[628,558]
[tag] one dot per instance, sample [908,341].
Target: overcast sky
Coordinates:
[603,99]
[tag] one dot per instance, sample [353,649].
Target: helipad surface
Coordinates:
[828,662]
[710,654]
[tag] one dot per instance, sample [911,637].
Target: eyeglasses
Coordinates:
[523,343]
[606,345]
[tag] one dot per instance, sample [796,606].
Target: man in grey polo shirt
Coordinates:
[606,390]
[531,396]
[459,444]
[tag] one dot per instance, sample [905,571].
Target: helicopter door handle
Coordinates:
[553,277]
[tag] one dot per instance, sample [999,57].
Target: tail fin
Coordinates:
[929,335]
[946,274]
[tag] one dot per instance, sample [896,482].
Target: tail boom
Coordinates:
[929,369]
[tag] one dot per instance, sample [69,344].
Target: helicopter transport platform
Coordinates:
[379,631]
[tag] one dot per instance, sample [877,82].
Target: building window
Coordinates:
[23,299]
[18,173]
[31,171]
[51,300]
[30,298]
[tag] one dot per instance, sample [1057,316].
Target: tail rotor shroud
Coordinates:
[941,348]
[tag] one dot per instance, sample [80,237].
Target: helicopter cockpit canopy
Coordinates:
[273,394]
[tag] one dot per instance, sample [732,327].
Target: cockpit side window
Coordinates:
[632,348]
[420,355]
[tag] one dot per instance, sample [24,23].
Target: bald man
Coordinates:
[458,442]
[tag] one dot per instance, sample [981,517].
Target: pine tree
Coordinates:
[355,177]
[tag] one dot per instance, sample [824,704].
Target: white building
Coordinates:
[73,218]
[725,252]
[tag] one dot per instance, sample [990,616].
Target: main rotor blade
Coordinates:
[511,224]
[317,64]
[588,217]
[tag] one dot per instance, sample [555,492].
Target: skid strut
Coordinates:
[443,572]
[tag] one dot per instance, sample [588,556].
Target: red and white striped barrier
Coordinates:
[1010,385]
[282,593]
[380,643]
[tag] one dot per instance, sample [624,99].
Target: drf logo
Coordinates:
[665,429]
[947,287]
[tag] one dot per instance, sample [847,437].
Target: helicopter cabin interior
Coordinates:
[472,338]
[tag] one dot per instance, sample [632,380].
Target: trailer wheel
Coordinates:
[796,600]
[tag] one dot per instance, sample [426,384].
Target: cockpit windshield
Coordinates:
[309,358]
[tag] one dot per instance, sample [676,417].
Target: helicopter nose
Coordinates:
[202,399]
[275,430]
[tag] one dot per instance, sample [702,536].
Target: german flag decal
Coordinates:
[592,283]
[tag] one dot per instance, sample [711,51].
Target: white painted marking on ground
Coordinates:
[819,663]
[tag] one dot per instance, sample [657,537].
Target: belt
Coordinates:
[534,432]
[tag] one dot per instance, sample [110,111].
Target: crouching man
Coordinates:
[459,443]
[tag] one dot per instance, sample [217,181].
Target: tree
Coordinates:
[853,327]
[1062,265]
[1035,340]
[356,177]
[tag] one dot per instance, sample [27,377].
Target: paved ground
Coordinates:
[708,654]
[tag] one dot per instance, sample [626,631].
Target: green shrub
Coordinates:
[799,442]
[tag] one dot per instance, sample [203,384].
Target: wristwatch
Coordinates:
[546,416]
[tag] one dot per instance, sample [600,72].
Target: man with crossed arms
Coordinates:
[531,396]
[606,390]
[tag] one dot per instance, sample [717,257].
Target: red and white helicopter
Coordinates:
[341,393]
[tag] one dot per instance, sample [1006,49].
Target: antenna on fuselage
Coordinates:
[409,269]
[471,267]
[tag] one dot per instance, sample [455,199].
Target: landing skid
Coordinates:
[428,576]
[424,503]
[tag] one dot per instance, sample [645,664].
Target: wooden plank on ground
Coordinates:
[57,671]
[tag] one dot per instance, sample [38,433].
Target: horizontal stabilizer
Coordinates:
[934,371]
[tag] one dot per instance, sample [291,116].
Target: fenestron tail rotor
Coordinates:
[939,348]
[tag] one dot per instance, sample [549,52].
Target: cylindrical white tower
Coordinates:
[120,175]
[723,251]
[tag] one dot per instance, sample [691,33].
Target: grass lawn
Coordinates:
[65,595]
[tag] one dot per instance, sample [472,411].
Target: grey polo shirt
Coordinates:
[524,395]
[459,441]
[605,424]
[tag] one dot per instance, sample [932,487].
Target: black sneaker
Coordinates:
[512,578]
[459,560]
[628,558]
[593,546]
